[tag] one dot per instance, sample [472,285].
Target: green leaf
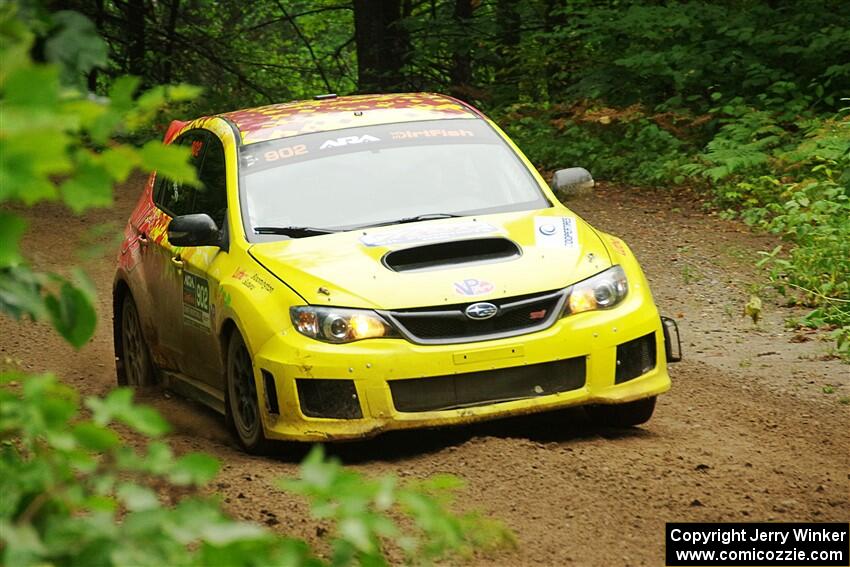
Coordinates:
[12,228]
[119,161]
[121,93]
[27,164]
[35,86]
[91,186]
[95,437]
[355,531]
[184,92]
[225,533]
[194,468]
[137,498]
[22,542]
[72,314]
[118,406]
[170,161]
[20,293]
[145,420]
[76,47]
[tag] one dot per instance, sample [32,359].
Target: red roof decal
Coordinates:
[303,117]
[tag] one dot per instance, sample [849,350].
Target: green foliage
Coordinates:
[75,491]
[57,143]
[360,510]
[75,494]
[793,180]
[627,145]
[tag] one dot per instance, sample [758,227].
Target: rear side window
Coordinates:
[211,197]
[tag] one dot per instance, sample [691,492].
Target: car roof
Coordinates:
[334,113]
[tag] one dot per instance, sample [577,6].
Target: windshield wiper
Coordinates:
[417,218]
[293,231]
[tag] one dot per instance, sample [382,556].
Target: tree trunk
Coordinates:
[134,17]
[553,20]
[461,71]
[508,22]
[382,45]
[98,24]
[170,28]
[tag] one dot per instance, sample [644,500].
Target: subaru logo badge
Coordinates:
[481,311]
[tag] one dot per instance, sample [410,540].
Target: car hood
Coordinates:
[347,269]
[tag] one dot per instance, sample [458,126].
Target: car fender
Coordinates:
[255,301]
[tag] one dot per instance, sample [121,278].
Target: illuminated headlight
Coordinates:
[334,325]
[601,291]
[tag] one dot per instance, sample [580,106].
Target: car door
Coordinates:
[202,265]
[162,276]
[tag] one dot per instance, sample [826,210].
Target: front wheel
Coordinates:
[243,407]
[136,365]
[623,415]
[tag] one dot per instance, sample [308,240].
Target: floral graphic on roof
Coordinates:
[304,117]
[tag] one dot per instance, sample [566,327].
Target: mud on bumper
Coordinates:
[385,384]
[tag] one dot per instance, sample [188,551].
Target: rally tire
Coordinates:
[137,368]
[243,408]
[622,415]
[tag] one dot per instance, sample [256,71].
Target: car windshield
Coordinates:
[371,175]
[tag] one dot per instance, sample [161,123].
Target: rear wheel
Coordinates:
[242,403]
[135,357]
[623,415]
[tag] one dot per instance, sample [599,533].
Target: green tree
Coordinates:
[73,492]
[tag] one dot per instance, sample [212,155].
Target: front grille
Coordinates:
[635,358]
[335,399]
[488,386]
[449,324]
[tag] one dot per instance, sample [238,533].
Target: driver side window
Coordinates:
[174,197]
[211,197]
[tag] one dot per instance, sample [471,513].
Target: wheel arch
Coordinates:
[120,290]
[228,326]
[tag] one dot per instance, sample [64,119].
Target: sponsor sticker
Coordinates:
[196,301]
[347,140]
[471,287]
[555,232]
[252,281]
[427,233]
[618,245]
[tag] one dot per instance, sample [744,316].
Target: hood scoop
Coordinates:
[450,254]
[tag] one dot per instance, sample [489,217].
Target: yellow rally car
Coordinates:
[359,264]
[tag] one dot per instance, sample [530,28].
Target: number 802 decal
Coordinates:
[284,153]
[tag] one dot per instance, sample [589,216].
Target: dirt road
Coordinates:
[747,433]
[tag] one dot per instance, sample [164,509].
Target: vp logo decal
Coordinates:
[338,142]
[471,287]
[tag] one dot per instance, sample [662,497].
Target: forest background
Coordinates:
[742,100]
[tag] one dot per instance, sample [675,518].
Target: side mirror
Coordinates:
[572,182]
[194,230]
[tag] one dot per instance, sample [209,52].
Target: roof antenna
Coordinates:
[324,96]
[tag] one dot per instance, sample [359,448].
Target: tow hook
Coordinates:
[672,342]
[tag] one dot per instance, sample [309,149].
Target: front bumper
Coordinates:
[370,366]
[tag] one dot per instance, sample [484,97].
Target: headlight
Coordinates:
[334,325]
[601,291]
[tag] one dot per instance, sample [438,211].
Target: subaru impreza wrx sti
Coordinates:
[352,265]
